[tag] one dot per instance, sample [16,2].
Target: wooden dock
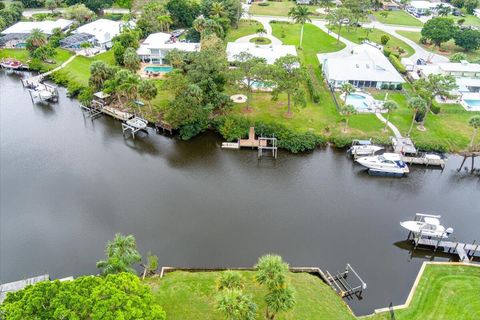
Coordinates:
[117,114]
[465,251]
[425,160]
[251,142]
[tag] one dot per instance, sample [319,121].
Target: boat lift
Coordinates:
[340,284]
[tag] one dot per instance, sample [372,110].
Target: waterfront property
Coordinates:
[268,52]
[422,8]
[99,33]
[157,45]
[16,35]
[364,67]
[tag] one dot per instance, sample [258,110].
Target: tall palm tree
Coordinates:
[165,22]
[347,111]
[36,39]
[147,90]
[218,10]
[474,122]
[300,14]
[347,88]
[416,104]
[390,106]
[121,255]
[99,73]
[199,24]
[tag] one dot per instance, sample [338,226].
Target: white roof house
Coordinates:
[269,52]
[155,47]
[422,7]
[47,26]
[364,66]
[103,30]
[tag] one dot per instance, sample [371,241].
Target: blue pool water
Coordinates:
[357,101]
[163,69]
[473,103]
[262,85]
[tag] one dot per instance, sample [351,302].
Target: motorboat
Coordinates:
[137,123]
[429,227]
[363,148]
[387,163]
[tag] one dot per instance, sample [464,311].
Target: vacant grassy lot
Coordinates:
[444,292]
[22,55]
[447,48]
[399,17]
[245,28]
[358,34]
[279,8]
[470,20]
[186,295]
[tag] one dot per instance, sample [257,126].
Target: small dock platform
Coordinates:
[424,160]
[339,282]
[117,114]
[251,142]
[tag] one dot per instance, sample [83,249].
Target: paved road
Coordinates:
[265,21]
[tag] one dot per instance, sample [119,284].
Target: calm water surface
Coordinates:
[69,184]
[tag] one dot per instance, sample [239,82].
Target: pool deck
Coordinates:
[143,74]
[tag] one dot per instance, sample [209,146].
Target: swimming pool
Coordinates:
[358,101]
[161,69]
[473,103]
[262,85]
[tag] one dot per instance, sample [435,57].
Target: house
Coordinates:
[422,8]
[101,32]
[307,2]
[157,45]
[364,67]
[268,52]
[16,35]
[390,6]
[466,74]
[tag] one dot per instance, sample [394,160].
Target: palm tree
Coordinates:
[347,111]
[235,305]
[36,39]
[147,90]
[282,299]
[300,14]
[199,24]
[218,10]
[99,73]
[121,255]
[130,87]
[390,106]
[131,60]
[347,88]
[474,122]
[165,22]
[417,105]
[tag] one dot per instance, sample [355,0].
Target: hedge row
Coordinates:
[397,64]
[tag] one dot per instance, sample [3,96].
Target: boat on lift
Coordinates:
[428,226]
[363,148]
[385,164]
[137,123]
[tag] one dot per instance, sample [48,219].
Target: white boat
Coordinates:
[363,148]
[387,163]
[137,123]
[429,227]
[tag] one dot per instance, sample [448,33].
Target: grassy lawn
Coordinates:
[188,295]
[356,35]
[279,8]
[399,17]
[447,48]
[245,28]
[444,292]
[22,55]
[470,20]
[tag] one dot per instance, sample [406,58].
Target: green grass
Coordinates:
[444,292]
[470,20]
[188,295]
[315,40]
[398,17]
[279,8]
[356,35]
[22,55]
[245,28]
[446,49]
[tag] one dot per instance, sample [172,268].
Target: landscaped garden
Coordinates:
[245,28]
[397,17]
[448,48]
[278,8]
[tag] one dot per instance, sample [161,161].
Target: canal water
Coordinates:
[68,184]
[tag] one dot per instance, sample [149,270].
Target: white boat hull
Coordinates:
[364,150]
[386,164]
[426,230]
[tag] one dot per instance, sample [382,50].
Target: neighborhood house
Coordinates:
[268,52]
[422,8]
[98,33]
[364,67]
[15,35]
[157,45]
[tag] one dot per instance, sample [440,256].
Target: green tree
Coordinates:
[468,39]
[51,5]
[121,254]
[44,53]
[474,122]
[148,21]
[131,61]
[470,6]
[250,71]
[230,280]
[326,4]
[165,22]
[430,87]
[35,40]
[443,10]
[417,105]
[300,14]
[279,300]
[384,39]
[217,10]
[79,12]
[183,12]
[288,76]
[347,88]
[99,73]
[359,9]
[235,305]
[439,30]
[390,106]
[148,91]
[336,19]
[347,111]
[151,266]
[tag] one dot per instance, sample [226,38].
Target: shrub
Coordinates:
[312,85]
[397,64]
[384,86]
[392,86]
[435,108]
[399,86]
[232,128]
[387,52]
[384,39]
[457,57]
[74,88]
[423,40]
[341,141]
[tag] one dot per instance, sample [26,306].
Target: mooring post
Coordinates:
[464,159]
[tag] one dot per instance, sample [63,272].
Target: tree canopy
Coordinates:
[439,30]
[468,39]
[122,251]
